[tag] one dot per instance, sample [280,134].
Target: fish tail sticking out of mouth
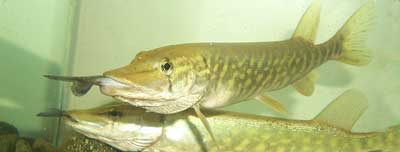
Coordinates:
[52,113]
[56,113]
[81,84]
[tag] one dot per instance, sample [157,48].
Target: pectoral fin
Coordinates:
[305,86]
[205,122]
[272,103]
[345,110]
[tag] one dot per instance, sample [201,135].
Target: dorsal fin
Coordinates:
[308,25]
[345,110]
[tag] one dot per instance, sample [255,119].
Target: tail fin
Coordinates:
[348,43]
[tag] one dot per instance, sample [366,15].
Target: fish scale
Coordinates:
[275,72]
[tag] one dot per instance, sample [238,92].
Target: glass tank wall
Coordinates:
[35,39]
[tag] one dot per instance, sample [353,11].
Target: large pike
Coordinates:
[129,128]
[173,78]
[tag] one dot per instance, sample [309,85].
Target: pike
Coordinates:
[174,78]
[129,128]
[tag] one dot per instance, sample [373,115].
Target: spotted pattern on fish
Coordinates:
[248,69]
[279,135]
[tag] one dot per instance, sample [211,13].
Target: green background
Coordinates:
[34,40]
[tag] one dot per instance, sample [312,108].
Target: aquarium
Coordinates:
[35,38]
[89,37]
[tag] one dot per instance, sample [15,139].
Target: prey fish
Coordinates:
[129,128]
[174,78]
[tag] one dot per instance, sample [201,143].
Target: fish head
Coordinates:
[122,126]
[165,80]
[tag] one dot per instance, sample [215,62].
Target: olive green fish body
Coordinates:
[241,71]
[238,133]
[131,128]
[213,75]
[174,78]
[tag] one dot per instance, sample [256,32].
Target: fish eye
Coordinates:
[166,66]
[114,113]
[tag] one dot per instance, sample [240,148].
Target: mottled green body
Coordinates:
[239,71]
[240,132]
[174,78]
[131,128]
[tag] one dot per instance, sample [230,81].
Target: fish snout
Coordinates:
[116,87]
[119,75]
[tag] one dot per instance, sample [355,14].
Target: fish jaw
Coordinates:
[152,90]
[164,102]
[123,87]
[86,124]
[132,93]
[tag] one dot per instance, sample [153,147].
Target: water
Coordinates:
[97,35]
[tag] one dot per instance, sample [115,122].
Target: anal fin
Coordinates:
[305,86]
[345,110]
[272,103]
